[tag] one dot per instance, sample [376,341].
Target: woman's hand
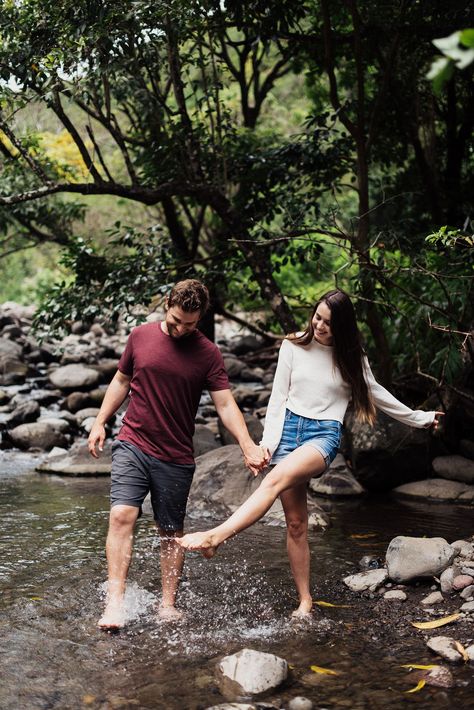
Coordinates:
[437,420]
[256,458]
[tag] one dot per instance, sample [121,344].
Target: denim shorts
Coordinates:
[324,435]
[134,474]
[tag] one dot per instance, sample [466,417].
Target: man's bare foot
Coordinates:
[113,617]
[304,610]
[202,541]
[169,613]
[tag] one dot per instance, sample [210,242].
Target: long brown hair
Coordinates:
[348,351]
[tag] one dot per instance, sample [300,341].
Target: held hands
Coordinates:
[96,436]
[256,458]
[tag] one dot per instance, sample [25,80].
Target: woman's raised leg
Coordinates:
[295,505]
[296,469]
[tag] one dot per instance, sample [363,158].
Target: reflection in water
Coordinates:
[52,571]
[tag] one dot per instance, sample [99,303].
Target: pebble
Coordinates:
[468,606]
[433,598]
[462,581]
[300,703]
[468,592]
[444,647]
[395,594]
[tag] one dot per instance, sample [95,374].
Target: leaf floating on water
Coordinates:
[419,667]
[462,651]
[418,687]
[338,606]
[324,671]
[362,536]
[88,699]
[436,623]
[36,599]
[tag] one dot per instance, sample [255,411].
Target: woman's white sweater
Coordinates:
[309,383]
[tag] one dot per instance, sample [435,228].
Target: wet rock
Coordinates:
[337,481]
[454,468]
[75,376]
[380,461]
[409,558]
[468,606]
[250,672]
[233,366]
[447,577]
[77,461]
[37,435]
[86,413]
[437,489]
[461,581]
[370,580]
[254,426]
[251,374]
[233,706]
[300,703]
[370,562]
[263,398]
[25,412]
[438,677]
[12,367]
[87,424]
[468,593]
[204,440]
[395,595]
[107,367]
[433,598]
[245,396]
[246,344]
[4,397]
[57,423]
[445,647]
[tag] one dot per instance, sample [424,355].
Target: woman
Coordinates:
[318,372]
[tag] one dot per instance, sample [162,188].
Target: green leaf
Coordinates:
[466,38]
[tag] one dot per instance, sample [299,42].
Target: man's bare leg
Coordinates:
[119,554]
[296,469]
[172,561]
[295,505]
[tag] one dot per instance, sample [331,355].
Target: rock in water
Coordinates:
[409,558]
[250,672]
[372,579]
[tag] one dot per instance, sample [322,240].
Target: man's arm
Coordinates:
[233,420]
[114,396]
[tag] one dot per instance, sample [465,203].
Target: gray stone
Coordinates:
[233,366]
[433,598]
[204,440]
[57,423]
[411,557]
[468,593]
[254,426]
[470,652]
[447,577]
[468,606]
[464,548]
[396,595]
[25,412]
[85,413]
[372,579]
[337,481]
[74,376]
[253,672]
[87,424]
[233,706]
[454,468]
[445,647]
[77,462]
[300,703]
[245,396]
[245,344]
[438,489]
[12,367]
[37,435]
[4,397]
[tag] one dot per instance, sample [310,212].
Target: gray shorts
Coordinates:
[134,474]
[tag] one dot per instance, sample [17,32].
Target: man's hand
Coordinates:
[256,458]
[96,436]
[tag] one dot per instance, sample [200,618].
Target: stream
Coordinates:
[52,578]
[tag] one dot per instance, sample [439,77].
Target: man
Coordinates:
[165,367]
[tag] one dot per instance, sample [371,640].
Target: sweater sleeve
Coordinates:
[389,404]
[275,416]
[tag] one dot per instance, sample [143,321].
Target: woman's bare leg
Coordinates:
[296,469]
[295,505]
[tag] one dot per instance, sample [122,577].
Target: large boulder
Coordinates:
[409,558]
[77,462]
[437,489]
[74,377]
[204,440]
[25,412]
[337,481]
[12,367]
[388,454]
[37,435]
[250,672]
[254,426]
[454,468]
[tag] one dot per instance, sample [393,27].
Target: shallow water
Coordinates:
[52,573]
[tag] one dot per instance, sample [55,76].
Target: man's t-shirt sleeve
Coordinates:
[217,378]
[125,364]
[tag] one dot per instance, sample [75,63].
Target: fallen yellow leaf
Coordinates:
[324,671]
[462,651]
[419,667]
[88,699]
[339,606]
[362,536]
[420,685]
[436,623]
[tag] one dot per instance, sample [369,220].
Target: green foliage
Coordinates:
[458,51]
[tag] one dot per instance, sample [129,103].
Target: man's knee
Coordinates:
[123,517]
[297,527]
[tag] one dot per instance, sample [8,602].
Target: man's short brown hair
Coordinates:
[191,295]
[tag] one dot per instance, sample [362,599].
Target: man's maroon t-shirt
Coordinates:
[168,377]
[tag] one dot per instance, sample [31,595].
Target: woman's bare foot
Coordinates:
[203,541]
[113,617]
[304,610]
[169,613]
